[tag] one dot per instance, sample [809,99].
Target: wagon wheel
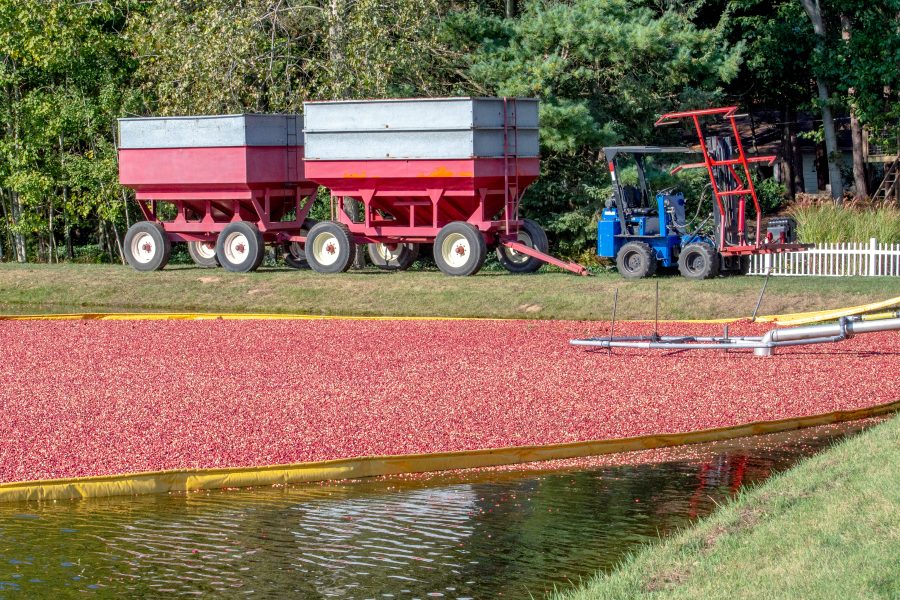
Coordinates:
[295,252]
[330,247]
[393,257]
[147,246]
[240,247]
[532,235]
[203,254]
[459,249]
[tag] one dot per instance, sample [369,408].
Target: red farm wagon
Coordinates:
[449,172]
[226,185]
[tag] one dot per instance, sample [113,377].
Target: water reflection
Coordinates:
[509,535]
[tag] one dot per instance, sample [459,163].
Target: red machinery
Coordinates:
[449,172]
[731,187]
[227,185]
[445,171]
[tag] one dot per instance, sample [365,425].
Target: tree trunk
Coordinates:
[833,153]
[336,13]
[70,251]
[859,159]
[101,237]
[856,135]
[511,9]
[16,204]
[787,152]
[799,183]
[814,11]
[6,222]
[118,243]
[352,208]
[125,207]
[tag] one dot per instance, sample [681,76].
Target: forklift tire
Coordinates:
[636,260]
[698,261]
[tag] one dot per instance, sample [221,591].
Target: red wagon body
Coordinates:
[419,166]
[230,184]
[217,170]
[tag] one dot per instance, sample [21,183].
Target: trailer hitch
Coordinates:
[572,267]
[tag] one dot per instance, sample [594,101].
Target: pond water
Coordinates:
[461,535]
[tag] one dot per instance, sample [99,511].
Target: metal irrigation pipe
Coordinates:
[761,345]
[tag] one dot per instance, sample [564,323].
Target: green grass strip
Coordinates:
[73,288]
[828,528]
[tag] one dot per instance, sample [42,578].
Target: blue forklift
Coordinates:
[642,230]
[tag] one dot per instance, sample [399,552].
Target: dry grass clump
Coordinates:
[821,221]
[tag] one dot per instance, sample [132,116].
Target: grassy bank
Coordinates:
[102,288]
[827,528]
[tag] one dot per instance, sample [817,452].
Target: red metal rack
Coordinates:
[739,193]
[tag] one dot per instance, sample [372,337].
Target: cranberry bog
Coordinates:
[88,398]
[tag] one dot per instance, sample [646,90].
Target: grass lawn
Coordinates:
[34,288]
[828,528]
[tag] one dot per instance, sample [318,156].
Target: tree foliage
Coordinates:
[603,69]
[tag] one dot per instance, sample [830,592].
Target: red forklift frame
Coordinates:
[744,187]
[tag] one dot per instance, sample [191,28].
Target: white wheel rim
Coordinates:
[386,253]
[143,248]
[518,257]
[206,250]
[237,248]
[456,250]
[326,249]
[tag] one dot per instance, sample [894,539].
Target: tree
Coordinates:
[776,73]
[813,9]
[65,75]
[588,61]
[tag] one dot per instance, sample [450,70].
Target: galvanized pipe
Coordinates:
[841,330]
[762,346]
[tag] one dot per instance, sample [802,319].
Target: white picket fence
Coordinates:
[833,260]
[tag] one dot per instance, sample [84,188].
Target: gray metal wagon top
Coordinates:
[211,131]
[421,128]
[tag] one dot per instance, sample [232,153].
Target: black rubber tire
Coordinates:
[159,242]
[473,238]
[743,265]
[698,261]
[295,252]
[536,238]
[407,255]
[343,251]
[204,262]
[636,260]
[253,253]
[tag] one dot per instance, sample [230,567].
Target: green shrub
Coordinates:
[770,193]
[90,254]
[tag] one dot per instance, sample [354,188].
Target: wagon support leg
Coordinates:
[529,251]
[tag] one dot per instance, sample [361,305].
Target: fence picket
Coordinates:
[845,259]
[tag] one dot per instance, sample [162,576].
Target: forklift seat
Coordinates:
[632,197]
